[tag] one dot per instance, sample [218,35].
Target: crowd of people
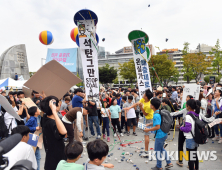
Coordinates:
[65,122]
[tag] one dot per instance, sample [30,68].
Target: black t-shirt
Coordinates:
[53,143]
[94,108]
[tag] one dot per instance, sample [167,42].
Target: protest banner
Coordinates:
[142,55]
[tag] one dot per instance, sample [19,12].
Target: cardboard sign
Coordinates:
[27,92]
[53,79]
[212,79]
[29,103]
[8,107]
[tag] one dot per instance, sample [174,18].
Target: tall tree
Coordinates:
[176,77]
[198,64]
[107,74]
[188,74]
[164,68]
[127,70]
[217,62]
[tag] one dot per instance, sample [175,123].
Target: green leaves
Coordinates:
[107,74]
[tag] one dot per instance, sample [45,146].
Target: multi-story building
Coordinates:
[121,56]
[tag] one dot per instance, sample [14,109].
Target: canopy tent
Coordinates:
[9,82]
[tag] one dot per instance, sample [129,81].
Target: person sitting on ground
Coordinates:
[73,152]
[97,152]
[22,151]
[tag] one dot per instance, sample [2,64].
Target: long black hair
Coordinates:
[194,104]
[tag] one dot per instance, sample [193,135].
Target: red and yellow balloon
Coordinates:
[74,33]
[46,37]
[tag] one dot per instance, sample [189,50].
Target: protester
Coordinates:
[37,98]
[123,120]
[93,118]
[73,152]
[53,133]
[106,117]
[22,151]
[65,104]
[188,130]
[107,99]
[174,94]
[72,115]
[144,104]
[160,136]
[97,152]
[165,105]
[115,113]
[79,98]
[137,99]
[32,123]
[159,95]
[130,116]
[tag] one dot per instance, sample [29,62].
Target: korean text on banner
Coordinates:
[66,57]
[89,56]
[142,68]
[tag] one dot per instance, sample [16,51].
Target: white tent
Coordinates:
[9,82]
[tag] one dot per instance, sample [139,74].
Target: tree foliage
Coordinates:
[198,64]
[176,77]
[164,68]
[207,78]
[217,62]
[127,70]
[31,74]
[107,74]
[81,83]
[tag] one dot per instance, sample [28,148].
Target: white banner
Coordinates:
[89,57]
[142,67]
[191,89]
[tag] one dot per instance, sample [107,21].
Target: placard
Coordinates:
[191,89]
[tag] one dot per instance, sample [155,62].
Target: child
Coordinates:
[115,113]
[33,126]
[130,116]
[165,105]
[123,121]
[97,152]
[106,117]
[160,136]
[73,152]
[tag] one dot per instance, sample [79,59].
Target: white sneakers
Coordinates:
[215,138]
[114,134]
[220,141]
[121,134]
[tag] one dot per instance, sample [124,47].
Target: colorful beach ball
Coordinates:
[74,33]
[46,37]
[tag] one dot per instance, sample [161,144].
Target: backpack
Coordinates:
[200,131]
[173,105]
[166,121]
[3,128]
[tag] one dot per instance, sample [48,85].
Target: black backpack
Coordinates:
[3,128]
[200,131]
[166,121]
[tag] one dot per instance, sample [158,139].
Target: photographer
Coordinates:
[53,133]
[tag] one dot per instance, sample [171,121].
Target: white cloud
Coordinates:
[184,20]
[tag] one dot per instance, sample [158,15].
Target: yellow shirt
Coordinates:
[147,109]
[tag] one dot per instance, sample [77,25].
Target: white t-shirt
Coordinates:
[190,120]
[21,151]
[131,114]
[8,118]
[106,111]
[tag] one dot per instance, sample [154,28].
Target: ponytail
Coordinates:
[195,105]
[197,110]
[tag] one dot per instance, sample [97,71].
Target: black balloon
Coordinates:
[103,39]
[148,5]
[166,39]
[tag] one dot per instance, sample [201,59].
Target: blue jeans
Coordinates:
[159,142]
[216,128]
[38,157]
[96,122]
[191,144]
[105,125]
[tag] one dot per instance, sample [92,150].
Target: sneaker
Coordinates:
[169,166]
[216,138]
[86,128]
[220,141]
[165,145]
[134,133]
[108,139]
[104,136]
[145,155]
[125,132]
[114,135]
[121,134]
[207,140]
[179,163]
[91,136]
[128,133]
[98,137]
[156,168]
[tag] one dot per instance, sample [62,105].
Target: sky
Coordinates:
[193,21]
